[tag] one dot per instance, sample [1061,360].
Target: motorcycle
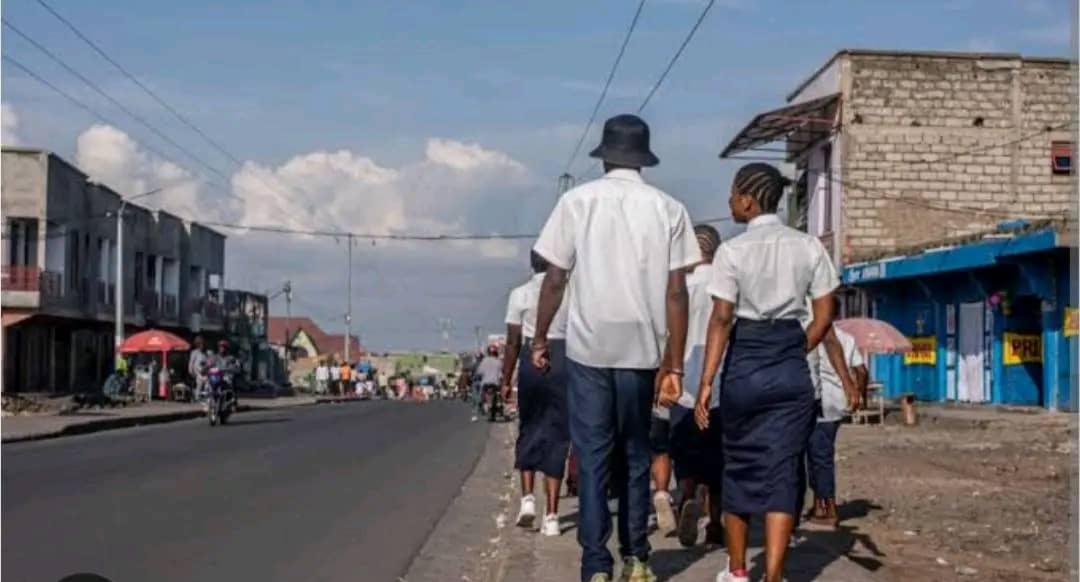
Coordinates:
[493,401]
[221,400]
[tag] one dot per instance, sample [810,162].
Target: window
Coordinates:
[1061,154]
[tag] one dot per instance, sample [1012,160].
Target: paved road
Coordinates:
[332,492]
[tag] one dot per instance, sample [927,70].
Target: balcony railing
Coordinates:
[32,278]
[208,310]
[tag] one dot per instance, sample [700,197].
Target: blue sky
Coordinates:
[506,85]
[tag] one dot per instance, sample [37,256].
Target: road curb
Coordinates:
[104,424]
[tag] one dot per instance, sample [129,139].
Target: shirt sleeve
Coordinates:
[823,278]
[556,241]
[515,311]
[684,247]
[724,284]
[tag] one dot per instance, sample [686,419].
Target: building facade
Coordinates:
[59,271]
[939,182]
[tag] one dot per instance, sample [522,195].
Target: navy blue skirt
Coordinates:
[544,427]
[767,410]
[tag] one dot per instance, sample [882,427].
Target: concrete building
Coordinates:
[59,267]
[939,182]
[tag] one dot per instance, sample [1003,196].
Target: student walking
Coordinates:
[544,429]
[623,247]
[760,284]
[834,405]
[322,378]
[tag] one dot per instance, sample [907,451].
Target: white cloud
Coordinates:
[112,157]
[9,120]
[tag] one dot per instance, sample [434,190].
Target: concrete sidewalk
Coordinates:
[36,427]
[476,540]
[532,557]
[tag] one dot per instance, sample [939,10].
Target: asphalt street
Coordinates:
[330,492]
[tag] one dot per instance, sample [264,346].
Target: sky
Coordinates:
[430,117]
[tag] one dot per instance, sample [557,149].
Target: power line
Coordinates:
[153,95]
[97,89]
[100,117]
[137,82]
[671,64]
[607,85]
[678,53]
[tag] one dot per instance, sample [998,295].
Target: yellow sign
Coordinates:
[1072,321]
[923,351]
[1022,348]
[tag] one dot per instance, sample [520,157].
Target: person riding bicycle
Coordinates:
[489,377]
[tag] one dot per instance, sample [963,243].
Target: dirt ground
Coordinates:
[968,494]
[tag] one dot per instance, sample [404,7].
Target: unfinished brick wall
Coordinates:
[925,146]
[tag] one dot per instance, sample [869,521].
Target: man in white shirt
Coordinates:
[335,378]
[821,448]
[624,246]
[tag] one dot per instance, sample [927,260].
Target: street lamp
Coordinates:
[119,283]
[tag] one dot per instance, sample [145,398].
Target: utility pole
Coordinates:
[479,344]
[445,325]
[566,182]
[119,283]
[348,313]
[288,324]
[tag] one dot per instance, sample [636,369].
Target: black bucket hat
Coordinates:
[626,143]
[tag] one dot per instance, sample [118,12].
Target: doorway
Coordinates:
[971,354]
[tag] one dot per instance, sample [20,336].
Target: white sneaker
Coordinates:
[474,419]
[527,513]
[727,576]
[665,513]
[550,526]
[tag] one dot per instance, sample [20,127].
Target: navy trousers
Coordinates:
[610,413]
[821,459]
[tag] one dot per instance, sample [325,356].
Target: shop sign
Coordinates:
[1022,348]
[923,351]
[1072,321]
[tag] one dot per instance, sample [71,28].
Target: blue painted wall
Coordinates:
[1039,286]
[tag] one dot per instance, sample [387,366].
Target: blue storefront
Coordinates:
[991,319]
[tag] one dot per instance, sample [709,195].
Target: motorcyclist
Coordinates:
[199,363]
[227,363]
[489,376]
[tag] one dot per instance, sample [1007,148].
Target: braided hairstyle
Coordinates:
[708,239]
[762,182]
[539,264]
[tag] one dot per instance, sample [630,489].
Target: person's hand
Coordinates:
[668,387]
[506,390]
[701,407]
[541,355]
[701,415]
[854,398]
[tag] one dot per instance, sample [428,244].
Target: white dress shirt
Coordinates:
[833,399]
[620,238]
[522,306]
[769,270]
[697,330]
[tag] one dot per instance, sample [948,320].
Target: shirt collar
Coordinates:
[764,220]
[538,276]
[625,174]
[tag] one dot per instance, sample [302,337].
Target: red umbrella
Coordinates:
[874,336]
[153,340]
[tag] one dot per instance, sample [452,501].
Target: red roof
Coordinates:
[326,343]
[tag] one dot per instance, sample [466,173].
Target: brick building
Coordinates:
[940,183]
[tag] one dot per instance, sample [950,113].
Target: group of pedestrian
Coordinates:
[345,379]
[651,347]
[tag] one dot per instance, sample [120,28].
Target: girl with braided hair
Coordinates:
[760,285]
